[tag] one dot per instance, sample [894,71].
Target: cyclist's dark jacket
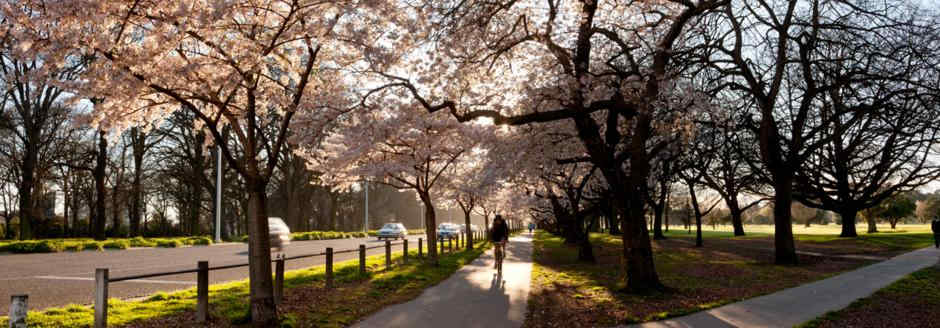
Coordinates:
[499,232]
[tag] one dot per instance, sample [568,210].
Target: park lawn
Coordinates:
[307,302]
[815,229]
[825,238]
[910,302]
[566,293]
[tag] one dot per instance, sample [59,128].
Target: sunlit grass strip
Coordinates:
[230,300]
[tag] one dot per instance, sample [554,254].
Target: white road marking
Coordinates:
[171,282]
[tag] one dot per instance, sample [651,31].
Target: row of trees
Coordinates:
[581,113]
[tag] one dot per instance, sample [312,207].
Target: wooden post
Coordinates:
[388,255]
[329,267]
[362,259]
[101,298]
[450,244]
[278,280]
[404,247]
[420,246]
[202,292]
[18,311]
[442,246]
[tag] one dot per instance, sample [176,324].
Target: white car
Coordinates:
[392,230]
[279,233]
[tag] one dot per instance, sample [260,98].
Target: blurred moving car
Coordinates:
[278,233]
[392,230]
[447,231]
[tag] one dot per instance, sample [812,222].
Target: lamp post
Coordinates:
[218,194]
[365,226]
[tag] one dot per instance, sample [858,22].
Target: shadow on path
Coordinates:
[474,296]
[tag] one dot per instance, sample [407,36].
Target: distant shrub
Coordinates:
[44,246]
[117,244]
[169,243]
[141,242]
[203,240]
[92,245]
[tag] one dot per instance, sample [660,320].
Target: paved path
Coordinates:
[58,279]
[472,297]
[797,305]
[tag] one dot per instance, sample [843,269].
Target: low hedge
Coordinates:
[80,244]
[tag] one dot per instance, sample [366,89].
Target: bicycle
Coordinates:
[499,252]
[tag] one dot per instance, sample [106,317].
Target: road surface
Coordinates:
[59,279]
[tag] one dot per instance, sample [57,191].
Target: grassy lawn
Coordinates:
[822,238]
[910,302]
[307,302]
[566,293]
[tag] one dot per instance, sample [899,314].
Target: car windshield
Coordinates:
[390,226]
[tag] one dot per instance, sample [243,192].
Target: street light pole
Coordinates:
[365,227]
[218,194]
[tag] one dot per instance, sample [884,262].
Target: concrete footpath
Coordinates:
[474,296]
[797,305]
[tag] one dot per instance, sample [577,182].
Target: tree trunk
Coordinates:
[136,190]
[872,224]
[263,309]
[698,215]
[658,222]
[666,213]
[637,250]
[785,250]
[848,223]
[100,191]
[469,231]
[25,189]
[586,250]
[736,221]
[430,222]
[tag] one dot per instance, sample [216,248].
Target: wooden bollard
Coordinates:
[329,267]
[101,298]
[388,255]
[278,280]
[404,248]
[202,292]
[18,311]
[362,259]
[420,246]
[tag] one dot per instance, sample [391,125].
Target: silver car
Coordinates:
[392,230]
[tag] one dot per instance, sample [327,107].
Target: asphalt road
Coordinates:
[58,279]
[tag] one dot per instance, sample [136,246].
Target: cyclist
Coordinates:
[499,234]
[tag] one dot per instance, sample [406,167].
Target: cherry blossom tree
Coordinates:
[243,65]
[605,68]
[399,145]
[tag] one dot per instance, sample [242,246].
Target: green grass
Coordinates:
[905,237]
[230,300]
[79,244]
[922,286]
